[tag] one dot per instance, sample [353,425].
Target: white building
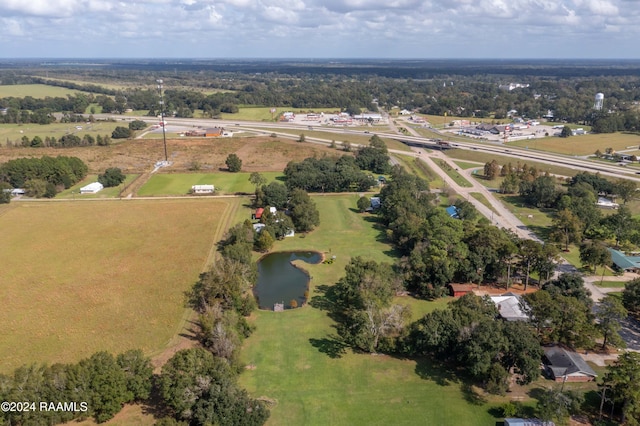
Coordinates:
[202,189]
[92,188]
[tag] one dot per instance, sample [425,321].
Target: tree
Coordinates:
[491,169]
[275,195]
[530,252]
[570,285]
[623,381]
[35,188]
[609,314]
[108,385]
[137,125]
[5,193]
[556,405]
[594,254]
[264,241]
[631,296]
[303,211]
[301,138]
[566,228]
[113,176]
[364,203]
[626,189]
[138,373]
[234,163]
[121,132]
[566,132]
[620,224]
[257,179]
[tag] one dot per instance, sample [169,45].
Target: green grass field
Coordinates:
[80,277]
[296,362]
[583,144]
[38,91]
[250,113]
[467,165]
[15,132]
[454,175]
[420,169]
[180,184]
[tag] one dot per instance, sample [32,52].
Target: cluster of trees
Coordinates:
[113,176]
[302,211]
[100,385]
[374,157]
[467,335]
[438,249]
[43,176]
[328,175]
[121,132]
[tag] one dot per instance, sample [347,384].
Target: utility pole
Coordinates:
[164,132]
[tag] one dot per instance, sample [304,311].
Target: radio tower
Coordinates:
[164,133]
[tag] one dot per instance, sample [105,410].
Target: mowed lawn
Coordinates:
[583,144]
[294,360]
[15,132]
[181,183]
[38,91]
[80,277]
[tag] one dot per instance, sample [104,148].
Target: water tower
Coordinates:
[599,101]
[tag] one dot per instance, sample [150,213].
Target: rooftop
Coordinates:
[564,362]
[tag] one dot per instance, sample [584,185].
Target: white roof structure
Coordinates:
[203,189]
[92,188]
[607,203]
[509,307]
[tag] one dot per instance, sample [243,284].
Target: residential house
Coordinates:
[510,307]
[624,262]
[563,365]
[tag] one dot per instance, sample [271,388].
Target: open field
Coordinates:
[296,361]
[421,169]
[180,184]
[138,155]
[15,132]
[38,91]
[582,144]
[89,276]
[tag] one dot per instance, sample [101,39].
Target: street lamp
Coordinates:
[164,134]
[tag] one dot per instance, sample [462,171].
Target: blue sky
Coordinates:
[320,28]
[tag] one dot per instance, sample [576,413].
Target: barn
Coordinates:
[458,290]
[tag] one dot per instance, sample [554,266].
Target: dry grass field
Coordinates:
[139,155]
[84,276]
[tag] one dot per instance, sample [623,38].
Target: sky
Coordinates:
[422,29]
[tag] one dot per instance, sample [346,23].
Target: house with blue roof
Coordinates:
[625,262]
[453,212]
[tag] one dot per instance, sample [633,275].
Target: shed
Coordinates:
[258,227]
[258,213]
[214,132]
[564,365]
[92,188]
[457,290]
[375,203]
[202,189]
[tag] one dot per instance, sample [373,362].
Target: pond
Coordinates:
[281,282]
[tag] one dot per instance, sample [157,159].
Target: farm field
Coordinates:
[583,144]
[38,91]
[295,361]
[180,184]
[15,132]
[89,276]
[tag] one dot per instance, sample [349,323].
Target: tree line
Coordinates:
[43,176]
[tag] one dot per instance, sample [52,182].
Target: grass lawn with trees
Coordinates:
[180,183]
[112,192]
[104,275]
[295,361]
